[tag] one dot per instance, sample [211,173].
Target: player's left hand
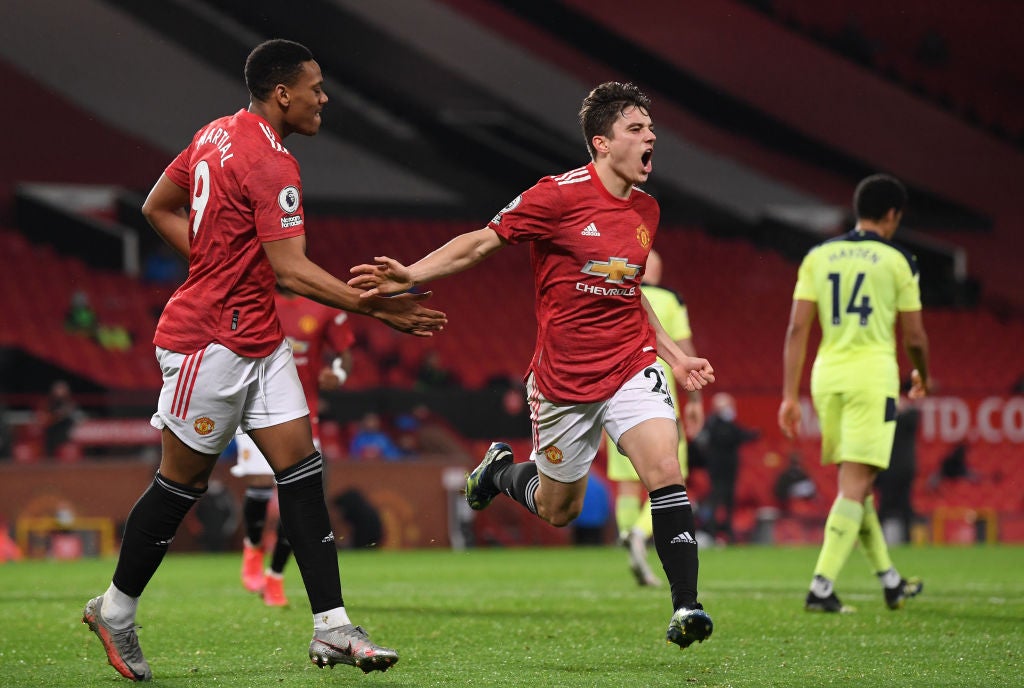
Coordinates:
[918,387]
[694,373]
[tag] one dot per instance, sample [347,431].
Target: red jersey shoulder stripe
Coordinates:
[580,174]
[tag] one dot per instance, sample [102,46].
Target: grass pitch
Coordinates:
[537,617]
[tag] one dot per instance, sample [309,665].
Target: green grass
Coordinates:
[532,617]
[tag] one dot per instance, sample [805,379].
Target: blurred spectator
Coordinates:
[164,267]
[114,337]
[953,467]
[435,437]
[794,483]
[364,524]
[58,416]
[433,375]
[512,417]
[719,443]
[80,317]
[895,510]
[217,513]
[370,442]
[591,526]
[407,428]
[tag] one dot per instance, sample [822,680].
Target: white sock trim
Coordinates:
[330,619]
[118,608]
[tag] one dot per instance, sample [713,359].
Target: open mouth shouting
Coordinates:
[645,160]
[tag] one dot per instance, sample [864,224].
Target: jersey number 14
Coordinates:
[861,307]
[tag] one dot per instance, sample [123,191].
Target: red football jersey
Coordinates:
[245,190]
[588,250]
[309,326]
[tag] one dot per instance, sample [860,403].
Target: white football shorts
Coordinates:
[208,395]
[566,437]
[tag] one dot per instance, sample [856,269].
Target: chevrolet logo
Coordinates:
[616,270]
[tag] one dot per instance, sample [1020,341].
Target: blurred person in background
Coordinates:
[314,331]
[794,484]
[433,374]
[371,442]
[895,483]
[856,286]
[80,317]
[720,443]
[591,526]
[634,523]
[58,415]
[225,361]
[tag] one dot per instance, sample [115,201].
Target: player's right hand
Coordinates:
[405,314]
[388,276]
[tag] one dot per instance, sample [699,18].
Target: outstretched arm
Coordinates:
[794,352]
[299,274]
[389,276]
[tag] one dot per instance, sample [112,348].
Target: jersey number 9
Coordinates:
[200,194]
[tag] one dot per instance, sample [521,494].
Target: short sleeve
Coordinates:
[804,290]
[908,287]
[274,190]
[178,170]
[531,215]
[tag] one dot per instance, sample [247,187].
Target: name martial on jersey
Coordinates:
[221,139]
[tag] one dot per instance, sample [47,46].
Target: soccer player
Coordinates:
[633,521]
[309,327]
[595,364]
[856,285]
[224,358]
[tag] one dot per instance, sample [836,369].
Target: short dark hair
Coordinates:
[274,62]
[877,194]
[604,104]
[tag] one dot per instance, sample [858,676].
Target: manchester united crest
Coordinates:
[553,454]
[643,235]
[204,426]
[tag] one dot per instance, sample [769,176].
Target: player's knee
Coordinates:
[560,517]
[663,472]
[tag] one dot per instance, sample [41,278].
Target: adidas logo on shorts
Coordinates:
[683,538]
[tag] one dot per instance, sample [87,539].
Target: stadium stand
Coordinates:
[932,48]
[715,178]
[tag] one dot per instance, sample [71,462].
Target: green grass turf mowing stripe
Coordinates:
[537,617]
